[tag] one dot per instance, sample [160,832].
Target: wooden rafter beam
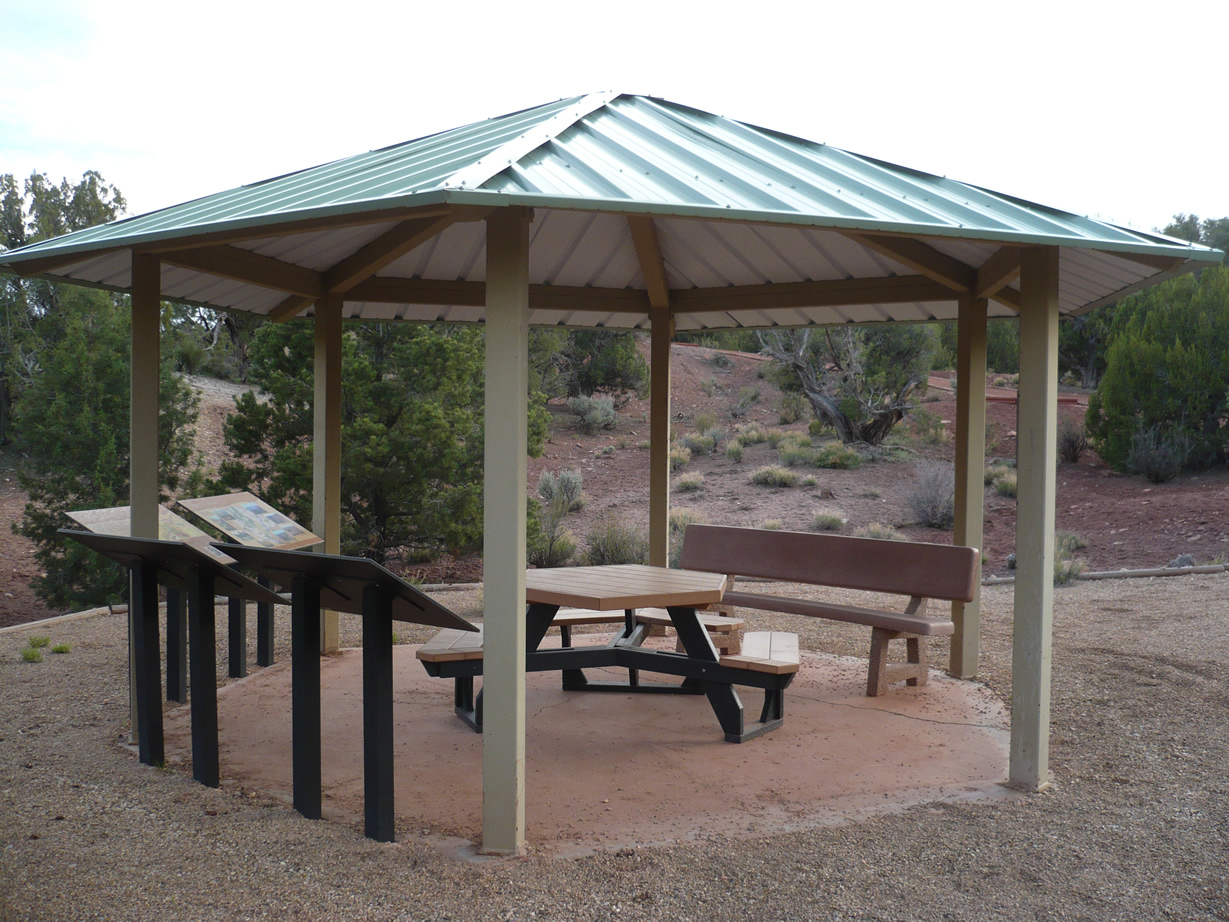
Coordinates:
[897,289]
[290,308]
[1159,263]
[1000,270]
[245,266]
[925,259]
[852,292]
[652,267]
[383,251]
[1008,296]
[34,267]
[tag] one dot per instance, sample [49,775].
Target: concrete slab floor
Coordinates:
[608,770]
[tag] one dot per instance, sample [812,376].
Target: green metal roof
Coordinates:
[705,179]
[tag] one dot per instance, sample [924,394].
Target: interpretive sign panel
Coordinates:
[248,520]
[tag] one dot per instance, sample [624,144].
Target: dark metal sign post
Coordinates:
[357,586]
[202,573]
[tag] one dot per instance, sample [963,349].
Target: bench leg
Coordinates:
[880,675]
[466,706]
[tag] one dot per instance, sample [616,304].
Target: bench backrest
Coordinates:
[934,571]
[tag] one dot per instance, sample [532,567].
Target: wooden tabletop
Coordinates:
[615,588]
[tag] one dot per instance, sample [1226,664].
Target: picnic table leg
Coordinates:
[629,625]
[721,696]
[202,651]
[149,671]
[264,629]
[378,714]
[176,647]
[305,695]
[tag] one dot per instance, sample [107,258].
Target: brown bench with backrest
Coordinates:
[919,571]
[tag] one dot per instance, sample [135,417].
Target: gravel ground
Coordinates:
[1135,826]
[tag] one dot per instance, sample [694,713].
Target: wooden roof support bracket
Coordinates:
[999,271]
[652,266]
[937,266]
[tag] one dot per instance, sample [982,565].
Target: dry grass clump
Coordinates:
[774,476]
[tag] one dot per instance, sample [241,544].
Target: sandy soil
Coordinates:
[1134,827]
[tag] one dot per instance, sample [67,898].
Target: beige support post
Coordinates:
[662,332]
[503,555]
[143,427]
[970,482]
[1036,453]
[326,445]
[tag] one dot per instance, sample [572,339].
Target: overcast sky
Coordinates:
[1110,109]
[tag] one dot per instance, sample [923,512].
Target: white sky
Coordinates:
[1111,109]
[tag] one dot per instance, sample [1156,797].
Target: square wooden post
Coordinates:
[970,481]
[1036,460]
[659,439]
[326,445]
[146,340]
[507,383]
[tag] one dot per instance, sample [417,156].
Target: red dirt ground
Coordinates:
[1127,522]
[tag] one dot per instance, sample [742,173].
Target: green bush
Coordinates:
[933,495]
[1166,375]
[791,454]
[689,484]
[699,444]
[774,477]
[808,481]
[1157,456]
[1072,440]
[994,471]
[1006,485]
[593,413]
[835,456]
[565,486]
[61,648]
[880,531]
[828,520]
[32,655]
[793,406]
[750,435]
[613,542]
[704,420]
[37,642]
[680,457]
[734,451]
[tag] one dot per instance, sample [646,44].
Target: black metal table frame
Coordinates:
[700,667]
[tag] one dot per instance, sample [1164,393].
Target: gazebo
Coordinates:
[629,212]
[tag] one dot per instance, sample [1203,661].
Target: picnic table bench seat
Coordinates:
[915,570]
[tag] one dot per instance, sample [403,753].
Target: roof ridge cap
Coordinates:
[498,160]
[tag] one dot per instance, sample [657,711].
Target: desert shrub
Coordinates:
[817,428]
[994,471]
[593,413]
[704,420]
[734,451]
[556,549]
[39,642]
[791,454]
[565,486]
[828,519]
[772,525]
[1067,542]
[774,476]
[808,481]
[838,457]
[32,655]
[880,531]
[793,406]
[746,397]
[1006,485]
[720,360]
[61,648]
[751,435]
[928,427]
[1072,440]
[689,484]
[1066,568]
[710,387]
[699,444]
[611,541]
[681,518]
[680,457]
[774,437]
[933,496]
[1158,456]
